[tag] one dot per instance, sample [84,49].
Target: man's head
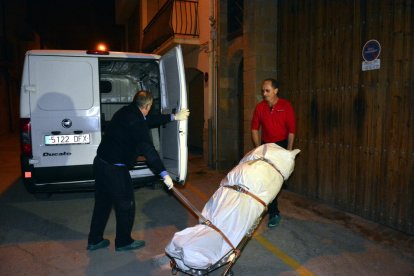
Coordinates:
[143,100]
[270,88]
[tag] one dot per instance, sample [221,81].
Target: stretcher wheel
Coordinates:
[174,268]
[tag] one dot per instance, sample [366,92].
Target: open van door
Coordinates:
[174,98]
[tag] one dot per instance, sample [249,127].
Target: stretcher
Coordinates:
[230,217]
[229,259]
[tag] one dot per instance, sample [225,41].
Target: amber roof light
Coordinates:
[101,49]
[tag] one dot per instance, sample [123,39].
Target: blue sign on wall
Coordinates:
[371,50]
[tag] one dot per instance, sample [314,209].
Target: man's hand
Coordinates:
[168,181]
[182,114]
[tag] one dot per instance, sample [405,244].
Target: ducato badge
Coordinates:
[66,123]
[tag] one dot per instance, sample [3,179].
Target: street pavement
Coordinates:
[48,236]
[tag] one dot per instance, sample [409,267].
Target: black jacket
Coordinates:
[127,136]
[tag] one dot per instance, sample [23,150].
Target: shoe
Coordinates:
[132,246]
[274,221]
[102,244]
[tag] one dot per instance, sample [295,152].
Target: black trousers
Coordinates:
[113,189]
[273,209]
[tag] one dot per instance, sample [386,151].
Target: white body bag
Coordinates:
[261,172]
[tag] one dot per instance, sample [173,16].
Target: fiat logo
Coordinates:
[66,123]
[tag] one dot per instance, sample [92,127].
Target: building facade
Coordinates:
[355,118]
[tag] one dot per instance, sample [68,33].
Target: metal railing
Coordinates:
[175,18]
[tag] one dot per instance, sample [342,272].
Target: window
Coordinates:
[234,18]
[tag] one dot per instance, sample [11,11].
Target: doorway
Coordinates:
[195,84]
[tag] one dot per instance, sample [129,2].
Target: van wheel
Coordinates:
[42,196]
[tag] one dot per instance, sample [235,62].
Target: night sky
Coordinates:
[75,24]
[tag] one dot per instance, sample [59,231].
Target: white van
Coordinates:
[67,98]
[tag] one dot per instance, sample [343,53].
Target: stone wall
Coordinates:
[257,50]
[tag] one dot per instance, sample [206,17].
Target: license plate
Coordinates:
[67,139]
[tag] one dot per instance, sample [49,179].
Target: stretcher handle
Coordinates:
[188,204]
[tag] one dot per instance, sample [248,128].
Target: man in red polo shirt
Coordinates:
[276,117]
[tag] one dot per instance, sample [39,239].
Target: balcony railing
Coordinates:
[176,19]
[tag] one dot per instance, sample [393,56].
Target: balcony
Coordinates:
[175,23]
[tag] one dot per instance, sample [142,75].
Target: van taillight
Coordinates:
[25,137]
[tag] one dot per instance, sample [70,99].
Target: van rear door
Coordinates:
[64,106]
[174,98]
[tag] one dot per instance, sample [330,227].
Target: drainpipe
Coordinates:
[215,87]
[213,131]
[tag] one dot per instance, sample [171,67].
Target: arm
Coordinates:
[157,120]
[151,156]
[255,126]
[255,137]
[143,144]
[291,127]
[291,139]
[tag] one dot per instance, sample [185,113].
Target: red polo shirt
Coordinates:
[276,122]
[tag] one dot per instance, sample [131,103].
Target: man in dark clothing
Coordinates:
[126,137]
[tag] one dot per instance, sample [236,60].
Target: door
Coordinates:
[195,85]
[64,106]
[174,98]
